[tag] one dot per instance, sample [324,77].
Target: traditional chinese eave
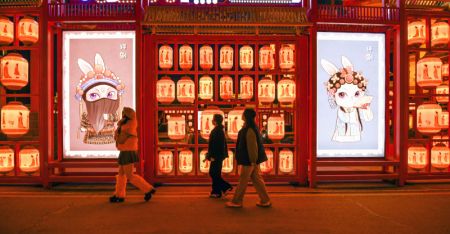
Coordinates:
[20,3]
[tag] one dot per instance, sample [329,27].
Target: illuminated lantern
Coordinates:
[429,72]
[206,124]
[267,166]
[286,91]
[438,140]
[204,164]
[165,161]
[417,157]
[286,163]
[28,30]
[416,32]
[29,159]
[439,33]
[206,57]
[185,158]
[266,90]
[14,71]
[185,57]
[6,31]
[275,127]
[176,127]
[246,57]
[226,87]
[428,118]
[206,87]
[235,123]
[443,119]
[165,90]
[440,157]
[185,90]
[442,90]
[246,88]
[226,57]
[287,57]
[266,58]
[445,70]
[6,159]
[165,57]
[227,163]
[15,119]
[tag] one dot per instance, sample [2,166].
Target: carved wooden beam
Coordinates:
[20,3]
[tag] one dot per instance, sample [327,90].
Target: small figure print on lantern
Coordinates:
[445,70]
[14,71]
[6,31]
[246,57]
[6,160]
[287,57]
[266,57]
[185,57]
[206,88]
[227,163]
[417,32]
[204,164]
[206,118]
[226,57]
[185,90]
[286,162]
[276,127]
[28,31]
[165,90]
[165,161]
[206,57]
[429,72]
[286,91]
[176,127]
[417,157]
[15,119]
[266,90]
[439,33]
[246,88]
[234,123]
[267,166]
[440,157]
[185,158]
[443,120]
[428,120]
[442,91]
[165,57]
[226,87]
[29,160]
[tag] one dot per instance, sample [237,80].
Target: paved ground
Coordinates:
[336,208]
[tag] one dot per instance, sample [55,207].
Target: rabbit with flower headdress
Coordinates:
[100,90]
[347,90]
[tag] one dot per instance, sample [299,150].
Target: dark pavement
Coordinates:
[333,208]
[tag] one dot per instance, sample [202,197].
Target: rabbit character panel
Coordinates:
[347,90]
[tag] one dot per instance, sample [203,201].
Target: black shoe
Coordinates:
[115,199]
[215,195]
[148,196]
[226,191]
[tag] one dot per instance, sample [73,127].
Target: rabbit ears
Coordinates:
[331,69]
[86,67]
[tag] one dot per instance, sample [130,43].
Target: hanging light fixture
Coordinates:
[286,91]
[246,88]
[267,166]
[440,157]
[439,33]
[417,32]
[226,57]
[6,159]
[287,57]
[266,90]
[206,57]
[266,58]
[165,90]
[204,164]
[442,90]
[15,121]
[206,88]
[234,122]
[29,159]
[185,90]
[275,127]
[165,161]
[165,57]
[6,31]
[428,121]
[176,127]
[185,158]
[185,57]
[246,57]
[429,71]
[206,118]
[28,30]
[417,157]
[286,161]
[14,70]
[226,87]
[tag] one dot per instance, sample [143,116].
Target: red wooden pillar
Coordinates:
[312,99]
[402,89]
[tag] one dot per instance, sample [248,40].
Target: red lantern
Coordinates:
[417,32]
[14,71]
[165,57]
[286,163]
[246,88]
[443,119]
[429,72]
[165,161]
[440,157]
[6,159]
[428,118]
[226,57]
[442,90]
[267,166]
[206,87]
[185,57]
[287,57]
[226,87]
[29,159]
[246,57]
[227,164]
[185,158]
[185,90]
[286,91]
[417,157]
[275,127]
[206,124]
[437,142]
[235,123]
[165,90]
[176,127]
[266,90]
[6,31]
[439,33]
[206,57]
[28,30]
[204,164]
[15,119]
[266,58]
[445,70]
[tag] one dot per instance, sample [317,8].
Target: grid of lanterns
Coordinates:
[417,32]
[418,157]
[28,160]
[27,30]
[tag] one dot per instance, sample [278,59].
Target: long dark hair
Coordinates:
[218,119]
[250,115]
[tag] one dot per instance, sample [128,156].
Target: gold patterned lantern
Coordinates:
[165,161]
[185,90]
[286,91]
[185,57]
[234,123]
[417,157]
[165,57]
[185,158]
[204,164]
[429,72]
[266,58]
[445,70]
[14,71]
[226,87]
[6,31]
[227,163]
[439,33]
[29,159]
[275,127]
[287,57]
[206,57]
[165,90]
[6,159]
[246,88]
[28,30]
[428,118]
[286,162]
[267,166]
[440,157]
[226,57]
[176,127]
[442,90]
[417,32]
[443,120]
[246,57]
[206,87]
[206,124]
[266,90]
[15,119]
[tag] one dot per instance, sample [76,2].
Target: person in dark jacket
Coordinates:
[249,154]
[217,152]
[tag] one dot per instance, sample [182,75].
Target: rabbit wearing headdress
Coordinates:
[347,90]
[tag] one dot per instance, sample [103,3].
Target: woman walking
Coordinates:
[127,143]
[249,154]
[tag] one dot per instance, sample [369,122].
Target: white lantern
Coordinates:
[15,119]
[286,91]
[176,127]
[428,118]
[417,157]
[204,164]
[417,32]
[226,87]
[29,159]
[227,163]
[439,33]
[206,57]
[246,57]
[287,57]
[226,57]
[266,58]
[6,31]
[185,57]
[186,90]
[429,72]
[267,166]
[234,123]
[206,124]
[185,158]
[14,71]
[28,30]
[440,157]
[165,57]
[206,87]
[246,88]
[6,159]
[165,161]
[442,90]
[286,163]
[275,127]
[266,90]
[165,90]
